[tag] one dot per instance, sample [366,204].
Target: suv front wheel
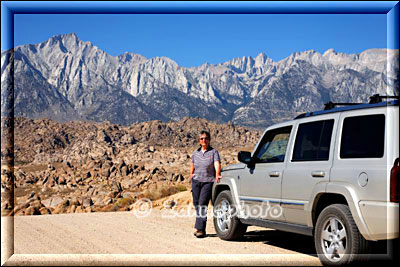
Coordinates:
[226,223]
[337,239]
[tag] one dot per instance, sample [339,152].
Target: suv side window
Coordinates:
[363,137]
[273,146]
[313,141]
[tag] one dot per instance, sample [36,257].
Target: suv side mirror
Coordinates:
[245,157]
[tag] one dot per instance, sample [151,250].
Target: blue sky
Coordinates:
[194,39]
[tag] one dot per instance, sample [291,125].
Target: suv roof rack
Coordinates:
[378,98]
[330,107]
[372,100]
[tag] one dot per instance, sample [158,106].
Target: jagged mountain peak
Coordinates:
[131,57]
[311,51]
[261,56]
[262,59]
[69,41]
[304,54]
[377,51]
[67,36]
[330,51]
[163,62]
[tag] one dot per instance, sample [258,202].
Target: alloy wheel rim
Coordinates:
[334,239]
[224,215]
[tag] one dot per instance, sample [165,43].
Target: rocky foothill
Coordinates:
[87,166]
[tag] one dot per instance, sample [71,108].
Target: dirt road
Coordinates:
[150,240]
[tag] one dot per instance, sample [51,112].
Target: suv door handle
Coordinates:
[274,174]
[318,174]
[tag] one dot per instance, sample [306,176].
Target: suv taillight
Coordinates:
[394,182]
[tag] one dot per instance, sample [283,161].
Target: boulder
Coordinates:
[103,137]
[109,208]
[86,174]
[44,211]
[51,167]
[124,171]
[90,191]
[71,209]
[62,207]
[116,186]
[20,207]
[127,183]
[105,172]
[98,201]
[36,204]
[128,139]
[62,180]
[73,202]
[87,202]
[79,209]
[90,165]
[52,202]
[32,211]
[178,178]
[68,164]
[128,195]
[107,200]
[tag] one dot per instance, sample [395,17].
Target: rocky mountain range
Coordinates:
[65,78]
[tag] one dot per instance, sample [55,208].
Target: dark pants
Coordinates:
[201,192]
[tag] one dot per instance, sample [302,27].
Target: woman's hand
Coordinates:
[217,166]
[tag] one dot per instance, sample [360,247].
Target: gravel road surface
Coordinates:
[149,240]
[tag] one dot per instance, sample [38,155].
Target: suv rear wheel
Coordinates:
[226,223]
[337,239]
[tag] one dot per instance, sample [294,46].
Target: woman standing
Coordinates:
[204,170]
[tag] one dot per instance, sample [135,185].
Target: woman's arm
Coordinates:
[217,166]
[191,171]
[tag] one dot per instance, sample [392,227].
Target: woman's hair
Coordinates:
[206,133]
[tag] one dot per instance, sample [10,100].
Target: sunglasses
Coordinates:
[203,138]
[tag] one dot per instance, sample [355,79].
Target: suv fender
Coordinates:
[318,189]
[352,199]
[226,183]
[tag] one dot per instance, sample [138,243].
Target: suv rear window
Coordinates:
[363,137]
[313,141]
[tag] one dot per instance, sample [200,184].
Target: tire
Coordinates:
[345,245]
[226,223]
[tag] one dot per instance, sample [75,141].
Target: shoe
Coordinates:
[199,234]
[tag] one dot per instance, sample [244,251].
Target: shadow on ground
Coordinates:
[285,240]
[290,241]
[381,251]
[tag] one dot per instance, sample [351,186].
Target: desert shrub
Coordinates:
[162,192]
[181,188]
[122,202]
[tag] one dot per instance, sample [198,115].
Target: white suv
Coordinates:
[331,174]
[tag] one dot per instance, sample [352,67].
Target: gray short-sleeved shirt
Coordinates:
[204,170]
